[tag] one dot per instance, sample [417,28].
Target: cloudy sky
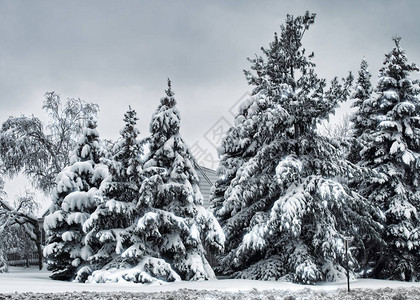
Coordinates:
[120,53]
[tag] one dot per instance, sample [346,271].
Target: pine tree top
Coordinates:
[169,99]
[396,66]
[284,57]
[130,116]
[363,88]
[362,92]
[130,120]
[285,62]
[166,119]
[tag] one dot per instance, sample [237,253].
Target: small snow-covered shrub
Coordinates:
[307,273]
[149,270]
[271,269]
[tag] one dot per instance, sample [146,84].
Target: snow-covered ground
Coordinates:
[26,282]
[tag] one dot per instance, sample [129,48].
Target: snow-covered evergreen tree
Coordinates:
[76,196]
[392,148]
[360,119]
[173,227]
[282,197]
[111,223]
[363,91]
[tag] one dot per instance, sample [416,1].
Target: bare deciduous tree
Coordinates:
[337,130]
[39,151]
[21,215]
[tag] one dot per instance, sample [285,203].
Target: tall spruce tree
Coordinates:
[363,91]
[361,118]
[110,225]
[76,196]
[282,197]
[392,148]
[173,227]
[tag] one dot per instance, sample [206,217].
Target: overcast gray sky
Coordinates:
[120,53]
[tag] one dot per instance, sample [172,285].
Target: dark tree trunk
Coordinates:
[297,134]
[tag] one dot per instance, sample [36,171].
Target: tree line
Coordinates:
[287,196]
